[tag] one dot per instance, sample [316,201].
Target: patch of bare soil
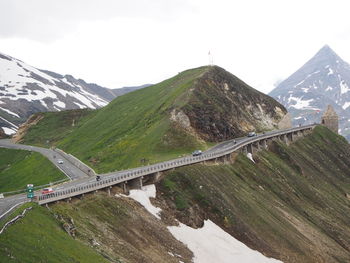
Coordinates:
[22,130]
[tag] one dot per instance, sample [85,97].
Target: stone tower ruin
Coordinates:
[330,119]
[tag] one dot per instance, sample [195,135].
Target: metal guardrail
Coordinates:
[123,176]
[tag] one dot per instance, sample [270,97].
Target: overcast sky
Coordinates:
[117,43]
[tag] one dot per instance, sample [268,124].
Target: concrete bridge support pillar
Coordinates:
[264,144]
[135,183]
[124,186]
[290,137]
[257,146]
[294,137]
[285,139]
[227,159]
[233,156]
[153,178]
[249,148]
[109,190]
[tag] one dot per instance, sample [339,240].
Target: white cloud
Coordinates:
[123,43]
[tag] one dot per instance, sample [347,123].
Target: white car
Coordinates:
[197,153]
[60,161]
[252,134]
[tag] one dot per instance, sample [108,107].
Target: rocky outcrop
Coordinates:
[34,119]
[286,122]
[222,107]
[2,134]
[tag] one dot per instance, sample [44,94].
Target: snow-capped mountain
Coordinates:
[323,80]
[25,90]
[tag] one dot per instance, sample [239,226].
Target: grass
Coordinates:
[39,237]
[56,126]
[134,129]
[307,181]
[19,168]
[290,204]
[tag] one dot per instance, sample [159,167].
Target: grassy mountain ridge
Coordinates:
[189,111]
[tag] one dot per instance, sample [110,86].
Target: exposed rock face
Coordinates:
[286,122]
[330,119]
[34,119]
[222,107]
[2,133]
[181,119]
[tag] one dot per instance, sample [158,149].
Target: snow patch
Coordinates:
[346,105]
[9,112]
[142,196]
[330,71]
[300,103]
[308,76]
[16,77]
[8,131]
[298,118]
[80,105]
[209,243]
[212,244]
[250,157]
[329,88]
[343,87]
[305,90]
[14,125]
[60,104]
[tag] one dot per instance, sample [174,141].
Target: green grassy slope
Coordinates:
[117,228]
[19,168]
[39,237]
[131,128]
[291,204]
[55,126]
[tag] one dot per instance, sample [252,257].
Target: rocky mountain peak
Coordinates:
[326,54]
[325,57]
[323,80]
[221,107]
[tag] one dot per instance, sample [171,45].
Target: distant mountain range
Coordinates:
[25,90]
[323,80]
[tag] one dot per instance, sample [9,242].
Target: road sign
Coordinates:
[30,190]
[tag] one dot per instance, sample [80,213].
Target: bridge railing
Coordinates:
[122,176]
